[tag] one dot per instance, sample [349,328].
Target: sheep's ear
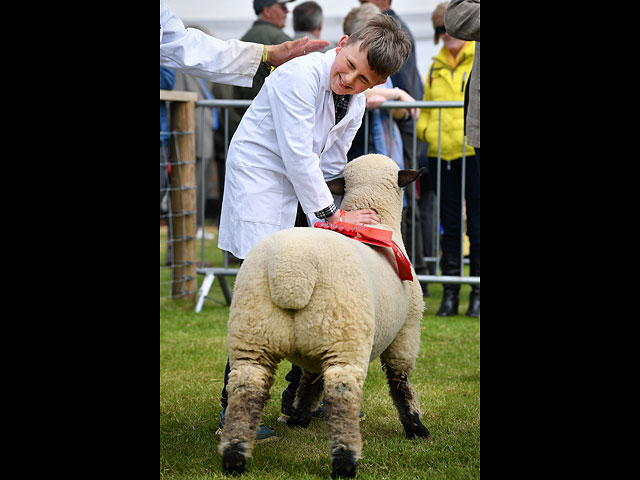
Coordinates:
[336,186]
[405,177]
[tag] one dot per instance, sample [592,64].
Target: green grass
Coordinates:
[447,378]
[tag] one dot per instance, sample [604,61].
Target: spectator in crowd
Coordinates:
[446,81]
[408,79]
[307,20]
[295,136]
[267,29]
[462,20]
[230,62]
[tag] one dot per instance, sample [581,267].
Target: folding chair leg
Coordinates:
[204,290]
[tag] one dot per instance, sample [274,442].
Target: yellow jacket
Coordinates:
[445,82]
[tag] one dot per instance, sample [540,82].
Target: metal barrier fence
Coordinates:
[221,273]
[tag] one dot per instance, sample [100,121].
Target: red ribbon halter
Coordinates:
[373,236]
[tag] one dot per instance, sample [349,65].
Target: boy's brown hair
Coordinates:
[388,47]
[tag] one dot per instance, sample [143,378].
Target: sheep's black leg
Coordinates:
[307,396]
[405,399]
[342,401]
[248,393]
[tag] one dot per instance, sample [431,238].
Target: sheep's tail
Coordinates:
[292,272]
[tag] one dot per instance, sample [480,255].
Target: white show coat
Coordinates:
[285,148]
[231,62]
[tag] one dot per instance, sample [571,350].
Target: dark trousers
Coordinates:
[427,206]
[288,395]
[451,203]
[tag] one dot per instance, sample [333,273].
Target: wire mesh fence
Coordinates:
[177,198]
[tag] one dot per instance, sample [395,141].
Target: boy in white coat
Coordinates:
[289,143]
[296,134]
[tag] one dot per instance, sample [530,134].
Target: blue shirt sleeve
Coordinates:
[167,78]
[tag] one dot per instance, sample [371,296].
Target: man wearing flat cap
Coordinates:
[267,29]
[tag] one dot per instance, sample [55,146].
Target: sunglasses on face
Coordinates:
[441,30]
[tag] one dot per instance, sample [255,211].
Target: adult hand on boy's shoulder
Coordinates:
[279,54]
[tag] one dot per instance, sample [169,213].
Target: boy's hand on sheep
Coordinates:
[366,216]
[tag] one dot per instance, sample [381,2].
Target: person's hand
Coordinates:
[279,54]
[377,96]
[403,96]
[366,216]
[374,101]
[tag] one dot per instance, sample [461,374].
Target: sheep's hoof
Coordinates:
[233,462]
[344,464]
[416,429]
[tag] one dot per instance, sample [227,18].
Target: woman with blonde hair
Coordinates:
[446,81]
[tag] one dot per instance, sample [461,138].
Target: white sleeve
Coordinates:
[192,51]
[292,96]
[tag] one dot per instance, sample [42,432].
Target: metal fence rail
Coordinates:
[221,273]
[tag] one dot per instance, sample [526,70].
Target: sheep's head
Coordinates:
[374,181]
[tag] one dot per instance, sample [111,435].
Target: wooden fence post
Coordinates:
[183,192]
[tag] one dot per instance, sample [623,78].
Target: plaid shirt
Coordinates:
[341,103]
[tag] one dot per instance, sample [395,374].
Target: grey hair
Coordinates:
[358,17]
[307,17]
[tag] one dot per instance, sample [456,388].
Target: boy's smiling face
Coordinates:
[350,72]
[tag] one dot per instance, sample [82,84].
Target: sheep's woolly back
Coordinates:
[372,182]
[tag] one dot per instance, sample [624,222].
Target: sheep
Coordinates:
[331,305]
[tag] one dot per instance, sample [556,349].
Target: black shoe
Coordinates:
[474,298]
[474,305]
[450,301]
[285,413]
[450,265]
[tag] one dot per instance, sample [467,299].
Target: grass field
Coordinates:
[447,378]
